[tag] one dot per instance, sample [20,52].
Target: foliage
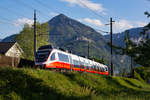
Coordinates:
[139,52]
[26,38]
[129,46]
[72,35]
[138,76]
[143,57]
[31,84]
[102,60]
[147,13]
[143,73]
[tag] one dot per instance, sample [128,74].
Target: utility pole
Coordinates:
[88,49]
[112,68]
[111,51]
[132,72]
[34,33]
[111,32]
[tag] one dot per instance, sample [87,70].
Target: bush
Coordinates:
[141,72]
[37,84]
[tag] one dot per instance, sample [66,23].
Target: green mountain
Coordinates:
[72,35]
[9,38]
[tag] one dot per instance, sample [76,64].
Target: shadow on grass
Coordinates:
[113,87]
[28,87]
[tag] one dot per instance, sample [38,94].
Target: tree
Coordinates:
[147,13]
[139,52]
[102,60]
[26,38]
[129,49]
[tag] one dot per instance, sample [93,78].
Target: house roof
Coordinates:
[5,46]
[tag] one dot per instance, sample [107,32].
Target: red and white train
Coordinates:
[47,57]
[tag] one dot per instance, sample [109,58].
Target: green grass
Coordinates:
[36,84]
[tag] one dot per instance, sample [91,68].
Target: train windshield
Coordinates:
[43,53]
[42,56]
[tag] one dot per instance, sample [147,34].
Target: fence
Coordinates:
[15,62]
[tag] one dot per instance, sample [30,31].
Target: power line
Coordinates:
[97,15]
[33,8]
[5,19]
[102,31]
[21,2]
[6,22]
[93,11]
[44,5]
[13,12]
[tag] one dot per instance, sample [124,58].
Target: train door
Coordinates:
[71,63]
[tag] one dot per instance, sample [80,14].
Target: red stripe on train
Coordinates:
[63,65]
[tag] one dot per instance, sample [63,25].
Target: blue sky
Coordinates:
[95,13]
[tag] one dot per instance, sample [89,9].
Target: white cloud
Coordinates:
[86,3]
[118,26]
[53,14]
[122,25]
[141,24]
[22,21]
[95,22]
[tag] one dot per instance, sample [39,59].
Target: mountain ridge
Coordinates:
[70,34]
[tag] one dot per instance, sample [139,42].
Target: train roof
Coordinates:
[45,47]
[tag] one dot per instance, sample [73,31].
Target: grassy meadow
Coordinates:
[37,84]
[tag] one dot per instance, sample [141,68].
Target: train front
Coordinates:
[42,55]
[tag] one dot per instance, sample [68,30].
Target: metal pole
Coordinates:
[131,68]
[112,69]
[88,49]
[34,33]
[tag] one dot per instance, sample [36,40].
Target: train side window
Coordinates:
[106,69]
[76,63]
[103,69]
[82,64]
[95,67]
[53,57]
[71,61]
[100,69]
[63,57]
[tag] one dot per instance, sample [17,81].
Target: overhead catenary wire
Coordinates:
[45,5]
[9,24]
[93,11]
[102,31]
[6,22]
[12,11]
[33,8]
[6,19]
[97,15]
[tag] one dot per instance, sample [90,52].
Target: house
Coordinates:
[11,49]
